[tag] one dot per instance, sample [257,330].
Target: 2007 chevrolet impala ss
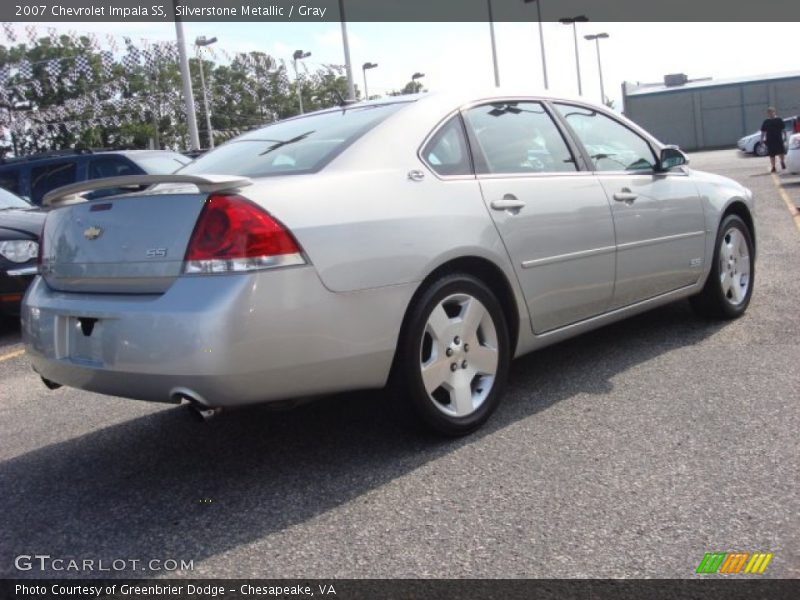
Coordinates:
[429,238]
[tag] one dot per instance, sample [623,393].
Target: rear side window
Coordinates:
[302,145]
[447,152]
[9,180]
[110,166]
[48,177]
[161,164]
[517,138]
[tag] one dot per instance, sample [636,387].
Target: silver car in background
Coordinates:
[422,240]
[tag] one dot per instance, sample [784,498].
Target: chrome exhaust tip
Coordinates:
[196,404]
[203,414]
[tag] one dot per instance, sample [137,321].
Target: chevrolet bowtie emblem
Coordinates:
[92,233]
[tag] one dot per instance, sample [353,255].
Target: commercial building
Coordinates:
[709,113]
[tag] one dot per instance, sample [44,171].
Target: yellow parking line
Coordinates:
[11,355]
[789,204]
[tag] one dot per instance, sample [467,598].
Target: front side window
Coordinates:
[301,145]
[517,137]
[48,177]
[447,152]
[110,166]
[611,145]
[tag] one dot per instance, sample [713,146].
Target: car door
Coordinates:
[658,216]
[555,220]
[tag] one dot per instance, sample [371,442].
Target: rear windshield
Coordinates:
[161,164]
[9,200]
[295,146]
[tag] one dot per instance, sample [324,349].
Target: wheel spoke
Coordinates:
[484,360]
[461,396]
[435,374]
[473,314]
[737,291]
[726,283]
[734,242]
[438,323]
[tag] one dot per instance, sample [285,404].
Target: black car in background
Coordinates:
[20,226]
[33,176]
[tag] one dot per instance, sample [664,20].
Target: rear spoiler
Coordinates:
[207,184]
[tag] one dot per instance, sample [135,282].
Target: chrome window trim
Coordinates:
[546,174]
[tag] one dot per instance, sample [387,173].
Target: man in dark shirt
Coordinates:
[774,136]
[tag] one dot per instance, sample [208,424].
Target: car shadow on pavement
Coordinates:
[166,486]
[9,331]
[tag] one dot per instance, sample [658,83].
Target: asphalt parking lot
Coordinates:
[627,452]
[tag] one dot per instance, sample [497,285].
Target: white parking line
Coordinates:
[11,355]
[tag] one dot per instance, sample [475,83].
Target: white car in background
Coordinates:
[793,154]
[752,144]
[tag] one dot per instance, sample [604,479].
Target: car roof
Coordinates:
[61,155]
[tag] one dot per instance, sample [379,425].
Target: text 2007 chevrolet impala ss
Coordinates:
[429,238]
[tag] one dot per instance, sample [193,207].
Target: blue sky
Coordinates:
[457,53]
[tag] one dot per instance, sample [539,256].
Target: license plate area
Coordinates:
[85,340]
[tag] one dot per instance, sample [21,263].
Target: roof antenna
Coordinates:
[340,100]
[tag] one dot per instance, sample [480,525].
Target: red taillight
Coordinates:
[233,234]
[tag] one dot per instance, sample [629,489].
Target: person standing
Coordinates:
[774,136]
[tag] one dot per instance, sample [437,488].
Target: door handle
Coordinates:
[625,195]
[509,203]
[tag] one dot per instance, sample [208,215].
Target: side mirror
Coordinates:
[671,157]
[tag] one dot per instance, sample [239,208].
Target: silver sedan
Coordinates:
[422,241]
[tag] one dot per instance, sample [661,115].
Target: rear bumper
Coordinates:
[225,340]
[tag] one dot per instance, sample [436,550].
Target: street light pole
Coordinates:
[541,39]
[597,38]
[572,21]
[299,55]
[494,45]
[416,76]
[351,86]
[188,95]
[199,43]
[364,67]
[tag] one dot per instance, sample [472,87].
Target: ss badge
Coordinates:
[156,253]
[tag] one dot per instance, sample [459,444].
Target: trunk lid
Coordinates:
[128,244]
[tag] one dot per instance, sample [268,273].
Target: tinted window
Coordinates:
[110,166]
[611,145]
[161,164]
[48,177]
[300,145]
[447,152]
[517,137]
[9,180]
[9,200]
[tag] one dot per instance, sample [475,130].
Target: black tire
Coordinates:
[760,149]
[417,345]
[713,301]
